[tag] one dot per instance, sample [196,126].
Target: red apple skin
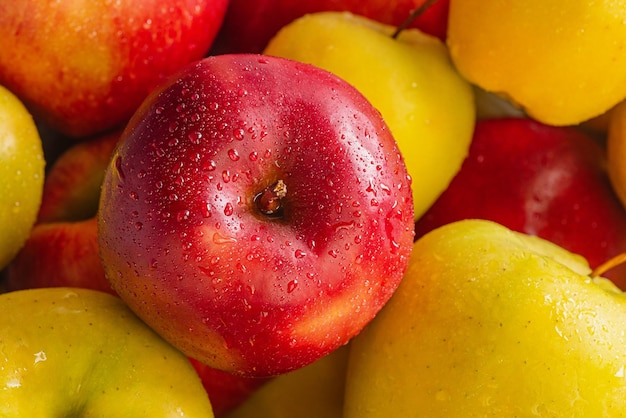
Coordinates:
[185,245]
[59,254]
[72,186]
[248,26]
[541,180]
[84,67]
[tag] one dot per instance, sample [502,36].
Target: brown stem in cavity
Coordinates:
[269,200]
[414,15]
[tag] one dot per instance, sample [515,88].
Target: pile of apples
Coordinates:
[320,208]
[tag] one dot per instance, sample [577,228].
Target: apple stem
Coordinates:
[269,200]
[609,264]
[414,15]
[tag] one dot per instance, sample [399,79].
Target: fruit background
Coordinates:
[328,208]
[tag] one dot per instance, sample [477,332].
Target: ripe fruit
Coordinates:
[22,167]
[543,55]
[83,67]
[257,213]
[491,322]
[77,352]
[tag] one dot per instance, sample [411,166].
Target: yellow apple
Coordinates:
[70,352]
[562,61]
[313,391]
[22,168]
[492,323]
[427,105]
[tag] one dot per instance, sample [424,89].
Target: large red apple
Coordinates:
[542,180]
[257,213]
[249,25]
[85,66]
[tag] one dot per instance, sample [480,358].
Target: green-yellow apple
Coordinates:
[429,108]
[313,391]
[562,61]
[492,322]
[69,352]
[84,66]
[22,166]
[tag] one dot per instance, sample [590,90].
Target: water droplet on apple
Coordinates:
[333,253]
[299,253]
[221,239]
[159,110]
[233,155]
[359,259]
[291,286]
[134,195]
[253,156]
[195,137]
[138,226]
[153,264]
[118,167]
[173,127]
[238,133]
[228,209]
[182,215]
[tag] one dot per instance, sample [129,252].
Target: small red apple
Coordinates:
[257,213]
[84,67]
[248,26]
[541,180]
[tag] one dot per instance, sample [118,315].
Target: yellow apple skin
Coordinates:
[428,107]
[492,323]
[616,150]
[70,352]
[22,166]
[313,391]
[562,61]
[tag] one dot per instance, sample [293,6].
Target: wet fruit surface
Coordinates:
[248,204]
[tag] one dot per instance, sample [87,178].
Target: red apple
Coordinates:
[257,213]
[84,67]
[248,26]
[541,180]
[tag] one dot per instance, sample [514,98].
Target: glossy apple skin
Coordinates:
[22,170]
[541,180]
[488,322]
[84,67]
[248,26]
[185,245]
[69,352]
